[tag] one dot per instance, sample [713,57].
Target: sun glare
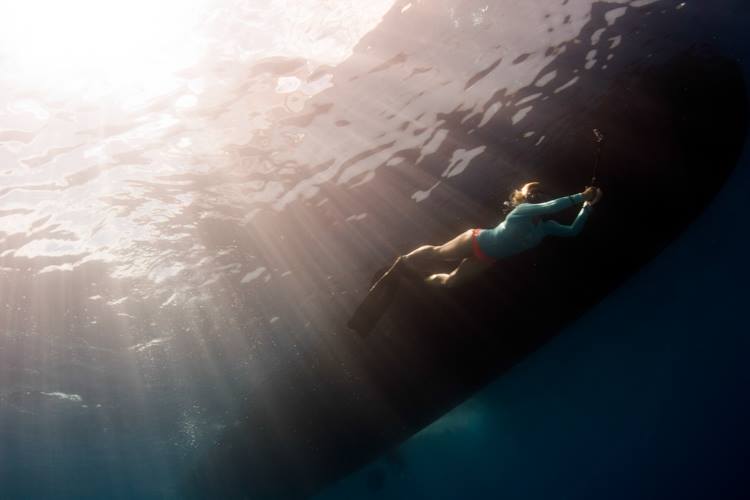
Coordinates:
[108,42]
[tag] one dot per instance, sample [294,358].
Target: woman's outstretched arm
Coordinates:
[548,207]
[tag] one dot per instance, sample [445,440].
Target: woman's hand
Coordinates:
[592,196]
[597,197]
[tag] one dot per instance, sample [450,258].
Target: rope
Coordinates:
[599,138]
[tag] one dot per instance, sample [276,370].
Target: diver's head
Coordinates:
[531,192]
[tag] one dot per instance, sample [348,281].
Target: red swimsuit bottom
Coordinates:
[478,253]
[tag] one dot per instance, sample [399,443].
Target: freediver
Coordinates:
[478,249]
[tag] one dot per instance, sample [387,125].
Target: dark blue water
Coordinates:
[191,207]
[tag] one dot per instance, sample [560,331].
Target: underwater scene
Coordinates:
[203,204]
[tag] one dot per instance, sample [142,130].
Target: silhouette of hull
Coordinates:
[674,132]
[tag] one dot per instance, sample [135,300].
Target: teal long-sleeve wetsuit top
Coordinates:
[518,232]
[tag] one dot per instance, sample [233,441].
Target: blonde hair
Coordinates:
[521,195]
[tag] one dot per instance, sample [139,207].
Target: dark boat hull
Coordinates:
[674,132]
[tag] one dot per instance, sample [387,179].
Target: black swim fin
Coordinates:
[382,291]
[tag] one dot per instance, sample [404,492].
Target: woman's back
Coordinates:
[522,229]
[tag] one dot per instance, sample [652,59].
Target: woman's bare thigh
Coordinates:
[457,248]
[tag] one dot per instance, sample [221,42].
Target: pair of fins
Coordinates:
[384,285]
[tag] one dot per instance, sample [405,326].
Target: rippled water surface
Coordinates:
[143,173]
[193,196]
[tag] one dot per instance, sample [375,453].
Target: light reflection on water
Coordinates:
[172,230]
[92,171]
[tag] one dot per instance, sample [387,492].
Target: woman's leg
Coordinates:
[456,249]
[466,270]
[419,260]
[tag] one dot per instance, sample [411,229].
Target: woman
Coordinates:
[478,249]
[523,228]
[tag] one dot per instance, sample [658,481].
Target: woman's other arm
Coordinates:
[556,229]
